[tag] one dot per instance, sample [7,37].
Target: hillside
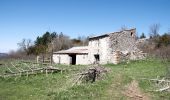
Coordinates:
[124,81]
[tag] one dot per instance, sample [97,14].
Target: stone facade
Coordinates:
[103,49]
[123,41]
[98,46]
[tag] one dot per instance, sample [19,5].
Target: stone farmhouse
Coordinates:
[107,48]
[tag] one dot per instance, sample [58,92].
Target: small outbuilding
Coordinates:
[72,56]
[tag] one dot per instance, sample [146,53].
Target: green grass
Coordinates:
[59,86]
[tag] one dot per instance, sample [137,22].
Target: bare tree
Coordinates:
[61,42]
[154,30]
[25,44]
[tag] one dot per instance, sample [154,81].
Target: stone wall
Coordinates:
[99,46]
[115,47]
[61,59]
[125,42]
[82,59]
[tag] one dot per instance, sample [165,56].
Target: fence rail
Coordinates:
[27,69]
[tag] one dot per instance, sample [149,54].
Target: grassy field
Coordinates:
[114,86]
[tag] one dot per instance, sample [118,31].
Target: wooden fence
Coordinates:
[25,69]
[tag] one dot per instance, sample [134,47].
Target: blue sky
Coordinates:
[31,18]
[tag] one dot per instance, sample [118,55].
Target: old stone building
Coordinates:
[75,55]
[108,48]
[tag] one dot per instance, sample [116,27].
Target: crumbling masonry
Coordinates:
[108,48]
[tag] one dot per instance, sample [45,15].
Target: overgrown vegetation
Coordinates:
[58,86]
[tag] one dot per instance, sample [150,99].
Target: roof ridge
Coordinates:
[107,34]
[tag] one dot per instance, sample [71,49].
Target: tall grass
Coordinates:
[59,86]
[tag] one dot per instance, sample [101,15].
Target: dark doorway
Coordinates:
[97,57]
[73,59]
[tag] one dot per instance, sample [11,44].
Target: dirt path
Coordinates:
[117,90]
[134,93]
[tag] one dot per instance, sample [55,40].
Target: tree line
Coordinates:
[157,44]
[52,41]
[156,38]
[46,44]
